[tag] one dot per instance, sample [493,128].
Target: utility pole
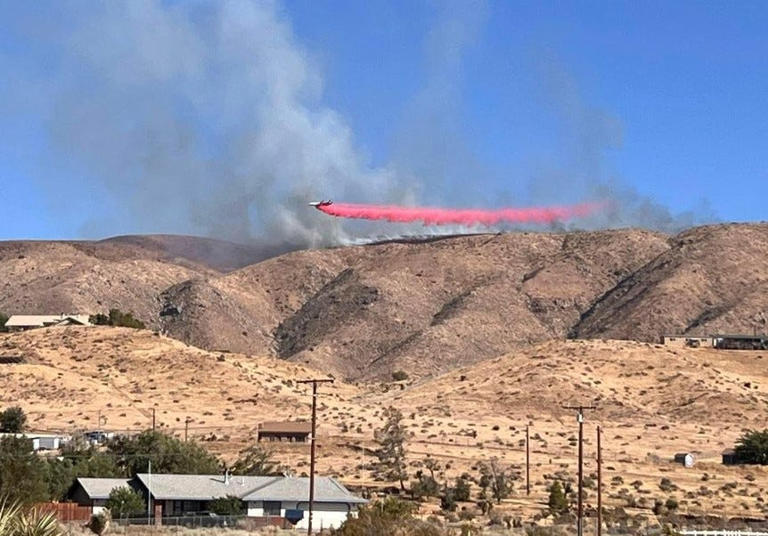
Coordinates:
[599,485]
[186,428]
[153,419]
[580,418]
[312,447]
[527,461]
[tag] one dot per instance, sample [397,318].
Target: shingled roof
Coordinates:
[247,488]
[100,488]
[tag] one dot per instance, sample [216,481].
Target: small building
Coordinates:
[25,322]
[42,441]
[687,341]
[94,492]
[284,431]
[729,457]
[684,458]
[741,342]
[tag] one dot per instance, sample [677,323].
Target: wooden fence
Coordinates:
[66,511]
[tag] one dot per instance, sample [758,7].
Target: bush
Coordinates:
[227,506]
[3,320]
[385,518]
[752,447]
[125,502]
[558,502]
[99,522]
[671,504]
[13,420]
[399,375]
[461,490]
[117,318]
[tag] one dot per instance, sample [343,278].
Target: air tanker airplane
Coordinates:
[320,203]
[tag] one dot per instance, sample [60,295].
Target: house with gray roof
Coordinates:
[94,492]
[262,496]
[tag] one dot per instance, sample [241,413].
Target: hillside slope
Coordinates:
[127,272]
[424,307]
[714,279]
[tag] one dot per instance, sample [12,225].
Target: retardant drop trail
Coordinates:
[447,216]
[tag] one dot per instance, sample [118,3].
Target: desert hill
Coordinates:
[652,401]
[423,306]
[128,272]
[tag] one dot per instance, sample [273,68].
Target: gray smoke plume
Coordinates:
[208,118]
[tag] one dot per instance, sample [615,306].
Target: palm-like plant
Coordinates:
[15,521]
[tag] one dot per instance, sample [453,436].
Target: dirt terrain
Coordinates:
[422,306]
[653,401]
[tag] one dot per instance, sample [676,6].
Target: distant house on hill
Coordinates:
[687,341]
[284,431]
[24,322]
[684,458]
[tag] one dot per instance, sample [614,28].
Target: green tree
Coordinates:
[391,452]
[22,476]
[167,453]
[558,502]
[13,420]
[116,318]
[125,502]
[461,489]
[752,447]
[256,461]
[227,506]
[496,479]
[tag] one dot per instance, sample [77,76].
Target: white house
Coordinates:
[24,322]
[42,441]
[277,497]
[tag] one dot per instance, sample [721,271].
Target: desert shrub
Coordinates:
[558,502]
[3,320]
[671,504]
[227,506]
[425,486]
[116,318]
[461,489]
[385,518]
[666,485]
[124,502]
[13,420]
[752,447]
[399,375]
[99,522]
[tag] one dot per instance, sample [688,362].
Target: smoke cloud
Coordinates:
[209,118]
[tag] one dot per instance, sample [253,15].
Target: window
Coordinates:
[272,508]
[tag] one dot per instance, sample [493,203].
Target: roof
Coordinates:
[327,489]
[292,427]
[247,488]
[39,321]
[200,487]
[741,336]
[100,488]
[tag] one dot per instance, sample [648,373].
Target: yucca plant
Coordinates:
[9,513]
[36,523]
[15,521]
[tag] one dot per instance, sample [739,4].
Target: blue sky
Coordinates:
[457,103]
